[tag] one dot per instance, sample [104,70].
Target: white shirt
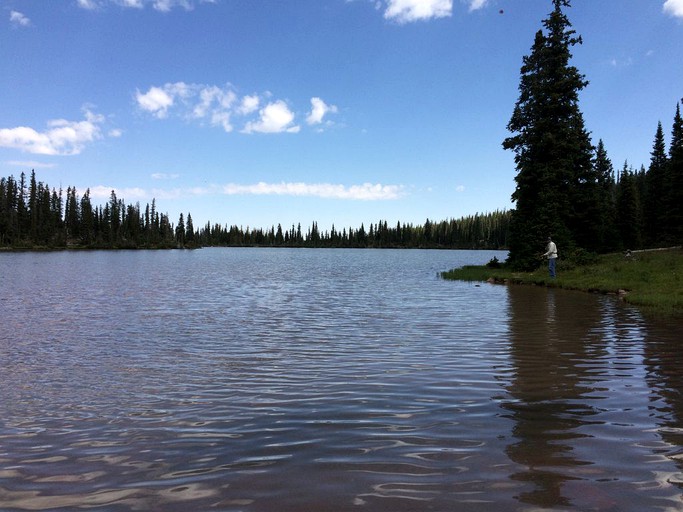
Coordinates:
[551,252]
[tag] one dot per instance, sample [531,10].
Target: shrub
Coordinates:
[494,263]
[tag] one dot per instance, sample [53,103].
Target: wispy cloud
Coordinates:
[164,176]
[61,137]
[221,106]
[19,19]
[621,63]
[475,5]
[363,192]
[406,11]
[674,8]
[29,164]
[127,194]
[158,5]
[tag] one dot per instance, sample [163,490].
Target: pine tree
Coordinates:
[556,186]
[114,218]
[33,210]
[22,211]
[72,216]
[655,194]
[628,209]
[180,231]
[608,234]
[189,230]
[674,182]
[87,220]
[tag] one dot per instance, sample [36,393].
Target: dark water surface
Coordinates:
[332,380]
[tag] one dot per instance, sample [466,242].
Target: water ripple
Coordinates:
[328,381]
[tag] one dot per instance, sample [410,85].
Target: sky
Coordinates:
[344,112]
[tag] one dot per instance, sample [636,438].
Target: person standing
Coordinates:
[551,254]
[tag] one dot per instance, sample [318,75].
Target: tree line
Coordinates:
[567,188]
[479,231]
[33,215]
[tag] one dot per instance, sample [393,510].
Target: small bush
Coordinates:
[494,263]
[581,257]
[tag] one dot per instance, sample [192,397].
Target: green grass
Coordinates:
[652,280]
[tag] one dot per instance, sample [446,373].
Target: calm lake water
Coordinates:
[326,380]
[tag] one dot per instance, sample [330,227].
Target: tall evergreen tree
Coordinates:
[674,182]
[22,211]
[33,209]
[189,230]
[180,231]
[556,186]
[87,220]
[608,234]
[628,209]
[655,193]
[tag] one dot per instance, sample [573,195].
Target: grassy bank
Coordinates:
[652,280]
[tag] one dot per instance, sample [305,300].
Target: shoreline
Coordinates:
[652,280]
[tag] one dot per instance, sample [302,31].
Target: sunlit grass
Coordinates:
[652,280]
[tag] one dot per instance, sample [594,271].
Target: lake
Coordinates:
[326,380]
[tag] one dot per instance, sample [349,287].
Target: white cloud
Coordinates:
[193,102]
[62,137]
[158,5]
[460,188]
[249,104]
[215,103]
[164,176]
[273,118]
[31,164]
[318,110]
[136,4]
[126,194]
[18,19]
[405,11]
[88,4]
[477,4]
[220,106]
[157,101]
[366,191]
[674,8]
[167,5]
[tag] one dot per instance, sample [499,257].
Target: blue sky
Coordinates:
[259,112]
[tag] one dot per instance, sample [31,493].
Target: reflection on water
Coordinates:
[550,390]
[584,429]
[262,380]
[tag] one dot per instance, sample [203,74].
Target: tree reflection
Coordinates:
[663,353]
[548,388]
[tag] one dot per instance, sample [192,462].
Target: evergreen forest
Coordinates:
[35,216]
[566,187]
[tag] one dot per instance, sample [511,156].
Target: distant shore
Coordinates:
[651,280]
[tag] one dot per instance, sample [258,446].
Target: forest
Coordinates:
[566,187]
[35,216]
